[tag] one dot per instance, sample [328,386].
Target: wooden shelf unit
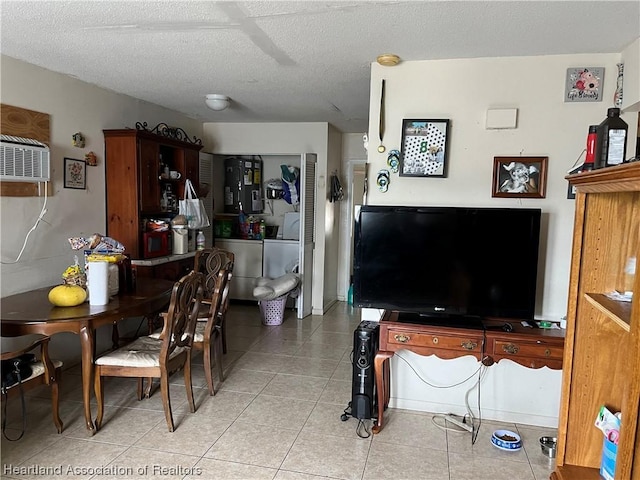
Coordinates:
[134,184]
[601,364]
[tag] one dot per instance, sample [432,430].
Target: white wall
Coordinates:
[73,106]
[631,78]
[287,139]
[462,91]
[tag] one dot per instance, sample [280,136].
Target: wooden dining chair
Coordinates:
[44,371]
[208,335]
[148,357]
[210,261]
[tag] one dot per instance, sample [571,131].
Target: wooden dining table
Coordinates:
[32,313]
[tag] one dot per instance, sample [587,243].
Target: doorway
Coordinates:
[356,176]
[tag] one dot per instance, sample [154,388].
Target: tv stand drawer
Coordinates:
[441,343]
[530,347]
[533,354]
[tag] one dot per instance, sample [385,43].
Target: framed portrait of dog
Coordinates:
[519,177]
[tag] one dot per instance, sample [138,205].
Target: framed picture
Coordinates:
[75,173]
[571,189]
[424,148]
[519,177]
[584,84]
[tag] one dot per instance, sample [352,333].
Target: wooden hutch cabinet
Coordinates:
[601,364]
[136,182]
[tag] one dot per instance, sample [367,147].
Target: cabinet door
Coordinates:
[192,168]
[148,156]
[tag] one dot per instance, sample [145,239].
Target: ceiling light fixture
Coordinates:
[388,59]
[217,102]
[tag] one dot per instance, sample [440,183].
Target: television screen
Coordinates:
[447,261]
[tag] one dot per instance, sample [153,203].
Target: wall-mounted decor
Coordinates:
[617,95]
[383,180]
[393,160]
[424,148]
[91,159]
[519,177]
[75,173]
[584,84]
[77,139]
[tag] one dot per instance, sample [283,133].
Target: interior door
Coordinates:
[307,231]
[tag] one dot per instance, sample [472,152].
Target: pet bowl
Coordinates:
[548,446]
[506,440]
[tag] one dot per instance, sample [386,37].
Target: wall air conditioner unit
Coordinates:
[23,160]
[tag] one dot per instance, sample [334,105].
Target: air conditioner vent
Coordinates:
[23,160]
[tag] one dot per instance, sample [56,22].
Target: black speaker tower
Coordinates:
[363,390]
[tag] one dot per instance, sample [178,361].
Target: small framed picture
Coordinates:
[424,148]
[75,174]
[584,84]
[519,177]
[571,189]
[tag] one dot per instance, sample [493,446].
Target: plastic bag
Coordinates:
[193,208]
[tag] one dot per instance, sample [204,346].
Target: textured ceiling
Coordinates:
[290,61]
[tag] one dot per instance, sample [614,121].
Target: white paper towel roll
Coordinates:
[98,279]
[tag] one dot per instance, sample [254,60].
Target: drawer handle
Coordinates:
[402,338]
[435,340]
[547,352]
[511,348]
[468,345]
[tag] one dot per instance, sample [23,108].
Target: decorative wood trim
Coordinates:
[621,178]
[21,122]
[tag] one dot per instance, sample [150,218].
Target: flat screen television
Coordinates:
[447,262]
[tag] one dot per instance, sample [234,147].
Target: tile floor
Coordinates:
[276,416]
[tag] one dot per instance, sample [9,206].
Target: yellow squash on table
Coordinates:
[67,295]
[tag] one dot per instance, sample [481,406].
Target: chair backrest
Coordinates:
[224,296]
[180,322]
[214,316]
[209,262]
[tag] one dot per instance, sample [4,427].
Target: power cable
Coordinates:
[35,225]
[482,368]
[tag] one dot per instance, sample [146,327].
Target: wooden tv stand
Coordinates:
[488,342]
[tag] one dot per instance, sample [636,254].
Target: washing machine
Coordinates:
[280,257]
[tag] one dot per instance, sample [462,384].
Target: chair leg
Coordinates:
[218,349]
[166,401]
[224,337]
[55,401]
[208,374]
[99,391]
[147,391]
[188,384]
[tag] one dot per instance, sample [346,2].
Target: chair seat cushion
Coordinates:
[142,352]
[37,369]
[199,333]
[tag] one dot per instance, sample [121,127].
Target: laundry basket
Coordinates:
[272,311]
